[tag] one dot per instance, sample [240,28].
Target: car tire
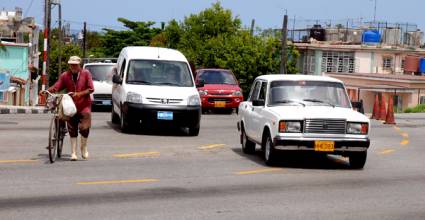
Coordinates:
[248,147]
[114,117]
[124,125]
[269,151]
[193,130]
[357,159]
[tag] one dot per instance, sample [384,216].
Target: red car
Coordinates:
[220,91]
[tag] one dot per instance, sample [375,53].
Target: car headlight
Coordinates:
[203,92]
[194,100]
[357,128]
[134,97]
[237,93]
[290,126]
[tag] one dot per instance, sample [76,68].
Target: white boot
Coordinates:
[84,153]
[73,149]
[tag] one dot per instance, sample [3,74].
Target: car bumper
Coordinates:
[341,145]
[213,102]
[182,115]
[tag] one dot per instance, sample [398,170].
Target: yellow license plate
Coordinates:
[324,146]
[219,104]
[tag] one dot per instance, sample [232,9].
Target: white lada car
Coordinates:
[302,113]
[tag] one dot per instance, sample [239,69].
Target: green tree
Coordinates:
[67,51]
[138,34]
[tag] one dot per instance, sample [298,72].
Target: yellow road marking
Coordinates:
[119,182]
[386,151]
[139,154]
[18,161]
[404,142]
[211,146]
[259,171]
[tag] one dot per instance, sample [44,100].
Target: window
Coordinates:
[422,101]
[387,63]
[254,91]
[309,62]
[159,73]
[402,64]
[122,69]
[263,91]
[336,61]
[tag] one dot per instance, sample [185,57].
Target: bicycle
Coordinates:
[57,130]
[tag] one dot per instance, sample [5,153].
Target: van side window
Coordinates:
[122,69]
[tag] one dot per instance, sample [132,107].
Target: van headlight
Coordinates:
[134,97]
[290,126]
[357,128]
[194,100]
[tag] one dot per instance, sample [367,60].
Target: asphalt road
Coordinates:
[167,175]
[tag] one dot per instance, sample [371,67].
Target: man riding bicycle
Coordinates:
[79,84]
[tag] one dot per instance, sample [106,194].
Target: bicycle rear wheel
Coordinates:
[53,137]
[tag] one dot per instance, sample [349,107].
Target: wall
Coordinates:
[363,61]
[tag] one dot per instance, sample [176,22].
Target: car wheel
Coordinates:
[357,159]
[114,117]
[269,151]
[194,130]
[125,127]
[248,146]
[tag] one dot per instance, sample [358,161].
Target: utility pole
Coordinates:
[84,39]
[374,13]
[60,37]
[45,46]
[284,52]
[252,27]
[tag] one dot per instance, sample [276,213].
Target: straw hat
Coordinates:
[74,60]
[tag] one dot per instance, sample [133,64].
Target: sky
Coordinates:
[267,13]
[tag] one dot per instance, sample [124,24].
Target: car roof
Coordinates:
[152,53]
[99,64]
[297,77]
[213,69]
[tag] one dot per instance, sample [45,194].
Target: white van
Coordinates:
[154,86]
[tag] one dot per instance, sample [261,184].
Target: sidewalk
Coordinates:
[10,109]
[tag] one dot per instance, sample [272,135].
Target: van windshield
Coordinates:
[159,72]
[101,72]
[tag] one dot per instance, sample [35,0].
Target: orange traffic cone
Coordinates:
[382,110]
[375,111]
[390,114]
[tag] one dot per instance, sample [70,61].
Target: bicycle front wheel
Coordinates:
[61,135]
[53,137]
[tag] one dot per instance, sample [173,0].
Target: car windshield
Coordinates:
[308,92]
[101,72]
[217,77]
[159,72]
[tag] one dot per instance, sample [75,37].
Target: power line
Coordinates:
[29,7]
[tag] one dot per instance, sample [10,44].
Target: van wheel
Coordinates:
[194,130]
[357,160]
[125,127]
[248,146]
[114,117]
[269,151]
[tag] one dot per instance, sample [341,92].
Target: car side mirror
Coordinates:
[258,102]
[358,106]
[117,79]
[201,83]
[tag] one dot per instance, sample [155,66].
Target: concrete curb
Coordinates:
[5,109]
